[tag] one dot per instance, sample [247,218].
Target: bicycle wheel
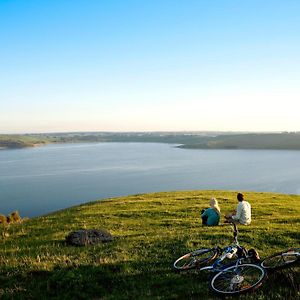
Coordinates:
[195,259]
[282,259]
[239,279]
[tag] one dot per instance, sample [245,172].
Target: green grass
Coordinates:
[279,141]
[150,231]
[15,141]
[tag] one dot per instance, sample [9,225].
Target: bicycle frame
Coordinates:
[238,275]
[217,266]
[228,252]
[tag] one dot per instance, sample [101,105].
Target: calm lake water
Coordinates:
[40,180]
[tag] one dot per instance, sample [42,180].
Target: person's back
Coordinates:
[243,213]
[213,217]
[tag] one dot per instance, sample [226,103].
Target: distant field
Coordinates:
[280,141]
[21,141]
[188,140]
[151,231]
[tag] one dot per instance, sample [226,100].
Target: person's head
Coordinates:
[240,197]
[214,204]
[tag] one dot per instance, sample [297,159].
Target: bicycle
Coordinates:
[236,277]
[281,259]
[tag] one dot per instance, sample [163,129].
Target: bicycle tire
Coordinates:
[195,259]
[235,280]
[282,259]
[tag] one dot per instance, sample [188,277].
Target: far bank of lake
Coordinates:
[39,180]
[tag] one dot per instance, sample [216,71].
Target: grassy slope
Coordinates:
[289,141]
[21,141]
[150,231]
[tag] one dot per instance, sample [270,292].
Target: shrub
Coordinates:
[15,216]
[12,218]
[3,219]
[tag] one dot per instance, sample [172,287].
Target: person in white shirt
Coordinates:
[243,212]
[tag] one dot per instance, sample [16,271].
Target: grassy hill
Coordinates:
[16,141]
[279,141]
[150,231]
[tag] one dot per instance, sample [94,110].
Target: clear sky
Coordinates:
[147,65]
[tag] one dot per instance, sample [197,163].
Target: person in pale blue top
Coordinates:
[211,216]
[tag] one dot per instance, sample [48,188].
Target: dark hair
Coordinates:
[240,196]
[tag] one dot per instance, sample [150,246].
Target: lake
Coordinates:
[36,181]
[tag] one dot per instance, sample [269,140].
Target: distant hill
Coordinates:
[249,141]
[30,140]
[21,141]
[187,140]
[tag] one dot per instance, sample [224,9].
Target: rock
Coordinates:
[88,237]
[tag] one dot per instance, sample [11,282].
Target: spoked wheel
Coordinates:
[282,259]
[239,279]
[195,259]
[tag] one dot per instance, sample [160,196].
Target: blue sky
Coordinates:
[149,65]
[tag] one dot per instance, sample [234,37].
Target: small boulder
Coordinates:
[88,237]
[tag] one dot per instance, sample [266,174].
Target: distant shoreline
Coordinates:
[185,140]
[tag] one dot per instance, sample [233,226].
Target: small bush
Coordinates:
[3,219]
[15,216]
[11,218]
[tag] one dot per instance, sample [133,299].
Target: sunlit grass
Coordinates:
[150,231]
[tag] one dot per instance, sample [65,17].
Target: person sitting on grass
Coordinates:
[242,214]
[211,216]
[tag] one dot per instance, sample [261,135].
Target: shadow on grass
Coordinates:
[105,282]
[150,276]
[283,284]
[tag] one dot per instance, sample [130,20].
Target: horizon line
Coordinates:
[154,131]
